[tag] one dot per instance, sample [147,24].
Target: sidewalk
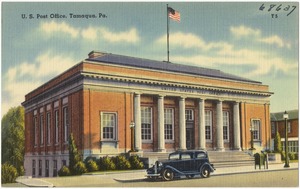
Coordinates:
[110,177]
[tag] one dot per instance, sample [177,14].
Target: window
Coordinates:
[200,155]
[292,145]
[33,167]
[54,168]
[289,128]
[273,127]
[256,129]
[47,168]
[225,125]
[35,131]
[146,118]
[40,167]
[185,156]
[169,124]
[48,121]
[56,128]
[66,123]
[174,156]
[189,115]
[108,126]
[208,125]
[41,129]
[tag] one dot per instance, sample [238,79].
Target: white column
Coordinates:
[137,120]
[236,126]
[220,142]
[161,124]
[201,124]
[182,127]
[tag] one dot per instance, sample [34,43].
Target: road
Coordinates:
[280,178]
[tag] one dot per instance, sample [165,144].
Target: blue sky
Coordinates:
[236,38]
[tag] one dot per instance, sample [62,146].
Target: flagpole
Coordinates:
[168,52]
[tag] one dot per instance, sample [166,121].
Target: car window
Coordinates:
[200,155]
[174,156]
[185,156]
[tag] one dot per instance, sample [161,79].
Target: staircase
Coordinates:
[230,159]
[219,159]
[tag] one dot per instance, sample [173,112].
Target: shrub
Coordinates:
[122,163]
[91,165]
[135,162]
[106,163]
[79,168]
[292,156]
[64,171]
[9,173]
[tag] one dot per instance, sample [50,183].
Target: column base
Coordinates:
[237,149]
[201,148]
[220,149]
[161,150]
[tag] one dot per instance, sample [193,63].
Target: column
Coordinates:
[182,135]
[161,124]
[220,142]
[137,121]
[201,124]
[236,126]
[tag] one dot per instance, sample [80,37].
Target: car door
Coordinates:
[186,162]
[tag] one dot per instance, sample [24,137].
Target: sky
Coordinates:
[258,41]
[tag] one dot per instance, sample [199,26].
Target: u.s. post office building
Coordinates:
[169,106]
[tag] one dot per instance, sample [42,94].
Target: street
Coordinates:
[279,178]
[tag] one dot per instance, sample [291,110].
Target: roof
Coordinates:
[163,66]
[293,114]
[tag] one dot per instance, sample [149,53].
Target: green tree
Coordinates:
[74,155]
[277,143]
[13,138]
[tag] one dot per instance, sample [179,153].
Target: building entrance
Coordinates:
[190,139]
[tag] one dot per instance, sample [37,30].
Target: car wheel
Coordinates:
[205,172]
[168,175]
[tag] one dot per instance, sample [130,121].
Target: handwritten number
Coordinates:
[271,7]
[287,8]
[262,7]
[294,7]
[278,8]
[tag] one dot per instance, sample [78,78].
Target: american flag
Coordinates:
[173,14]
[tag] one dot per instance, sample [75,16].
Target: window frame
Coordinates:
[256,129]
[189,115]
[48,127]
[208,124]
[226,125]
[143,119]
[41,130]
[115,127]
[167,139]
[66,123]
[56,126]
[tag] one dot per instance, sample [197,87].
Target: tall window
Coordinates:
[256,129]
[33,167]
[41,129]
[169,124]
[225,125]
[146,118]
[48,128]
[208,125]
[289,128]
[40,167]
[273,127]
[54,168]
[189,115]
[47,168]
[66,123]
[109,124]
[35,131]
[56,127]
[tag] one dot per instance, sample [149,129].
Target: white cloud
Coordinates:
[25,77]
[54,27]
[244,31]
[130,36]
[90,33]
[256,35]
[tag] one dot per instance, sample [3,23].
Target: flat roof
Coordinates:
[164,66]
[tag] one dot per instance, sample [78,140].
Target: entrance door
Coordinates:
[190,139]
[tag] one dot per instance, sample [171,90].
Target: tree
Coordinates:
[74,155]
[277,143]
[13,138]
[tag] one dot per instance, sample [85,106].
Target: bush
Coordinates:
[79,168]
[122,163]
[292,156]
[91,165]
[135,162]
[9,173]
[64,171]
[106,163]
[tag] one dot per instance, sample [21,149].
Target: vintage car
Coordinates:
[182,163]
